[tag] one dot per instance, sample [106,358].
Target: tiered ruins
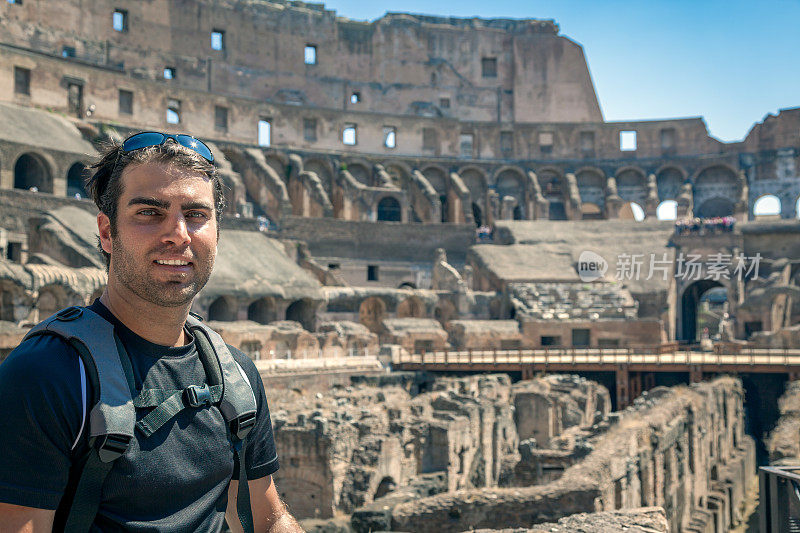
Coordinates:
[421,184]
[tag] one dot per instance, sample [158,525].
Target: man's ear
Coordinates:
[104,230]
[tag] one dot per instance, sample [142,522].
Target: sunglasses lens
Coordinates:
[142,140]
[197,146]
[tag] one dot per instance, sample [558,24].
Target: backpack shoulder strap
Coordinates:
[111,419]
[238,404]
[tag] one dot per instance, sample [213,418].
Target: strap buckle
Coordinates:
[197,396]
[112,446]
[242,425]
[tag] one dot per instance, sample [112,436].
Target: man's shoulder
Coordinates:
[43,353]
[243,359]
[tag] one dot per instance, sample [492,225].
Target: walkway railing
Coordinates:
[779,499]
[653,355]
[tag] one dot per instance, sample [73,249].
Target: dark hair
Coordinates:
[105,186]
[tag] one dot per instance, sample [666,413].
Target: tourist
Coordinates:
[76,453]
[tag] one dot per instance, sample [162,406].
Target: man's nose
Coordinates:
[177,231]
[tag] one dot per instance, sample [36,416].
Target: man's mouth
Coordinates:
[172,262]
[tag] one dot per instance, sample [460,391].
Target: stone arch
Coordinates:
[389,209]
[262,310]
[476,181]
[510,181]
[477,214]
[223,309]
[668,182]
[386,485]
[411,307]
[689,302]
[437,177]
[715,191]
[398,172]
[767,205]
[667,210]
[632,185]
[554,190]
[76,179]
[361,172]
[52,298]
[279,163]
[445,311]
[302,311]
[31,170]
[591,186]
[15,303]
[371,313]
[324,171]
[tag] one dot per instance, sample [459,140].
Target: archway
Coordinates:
[510,183]
[715,207]
[75,181]
[668,183]
[411,307]
[262,311]
[386,486]
[555,193]
[31,171]
[693,319]
[53,298]
[322,171]
[768,205]
[389,209]
[13,304]
[302,311]
[436,177]
[632,186]
[371,313]
[667,210]
[222,309]
[591,187]
[361,173]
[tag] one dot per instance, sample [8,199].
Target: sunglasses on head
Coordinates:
[155,138]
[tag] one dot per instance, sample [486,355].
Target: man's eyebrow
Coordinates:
[149,200]
[197,205]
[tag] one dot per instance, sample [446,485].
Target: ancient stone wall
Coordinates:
[682,449]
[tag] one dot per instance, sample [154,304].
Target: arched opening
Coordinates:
[768,206]
[53,298]
[13,306]
[302,311]
[445,208]
[389,210]
[30,173]
[75,181]
[668,183]
[715,191]
[371,313]
[361,173]
[518,215]
[386,486]
[632,186]
[262,311]
[510,183]
[322,171]
[411,307]
[222,309]
[591,187]
[715,207]
[407,285]
[667,210]
[700,310]
[477,215]
[632,211]
[436,177]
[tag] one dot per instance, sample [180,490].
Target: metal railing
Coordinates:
[779,499]
[612,356]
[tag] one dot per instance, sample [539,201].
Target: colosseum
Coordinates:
[483,306]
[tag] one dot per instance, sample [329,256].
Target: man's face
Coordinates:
[166,238]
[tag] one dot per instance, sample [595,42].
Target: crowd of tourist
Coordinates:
[705,226]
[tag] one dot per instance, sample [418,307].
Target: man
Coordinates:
[160,202]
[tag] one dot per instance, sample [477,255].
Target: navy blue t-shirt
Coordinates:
[174,480]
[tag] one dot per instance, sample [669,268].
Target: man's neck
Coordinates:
[157,324]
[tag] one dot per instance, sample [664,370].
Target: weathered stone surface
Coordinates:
[638,520]
[783,442]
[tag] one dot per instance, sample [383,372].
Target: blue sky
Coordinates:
[731,62]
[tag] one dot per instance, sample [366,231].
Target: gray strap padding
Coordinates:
[237,396]
[114,413]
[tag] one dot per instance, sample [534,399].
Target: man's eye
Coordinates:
[148,212]
[196,214]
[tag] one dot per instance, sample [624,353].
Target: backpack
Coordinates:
[112,417]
